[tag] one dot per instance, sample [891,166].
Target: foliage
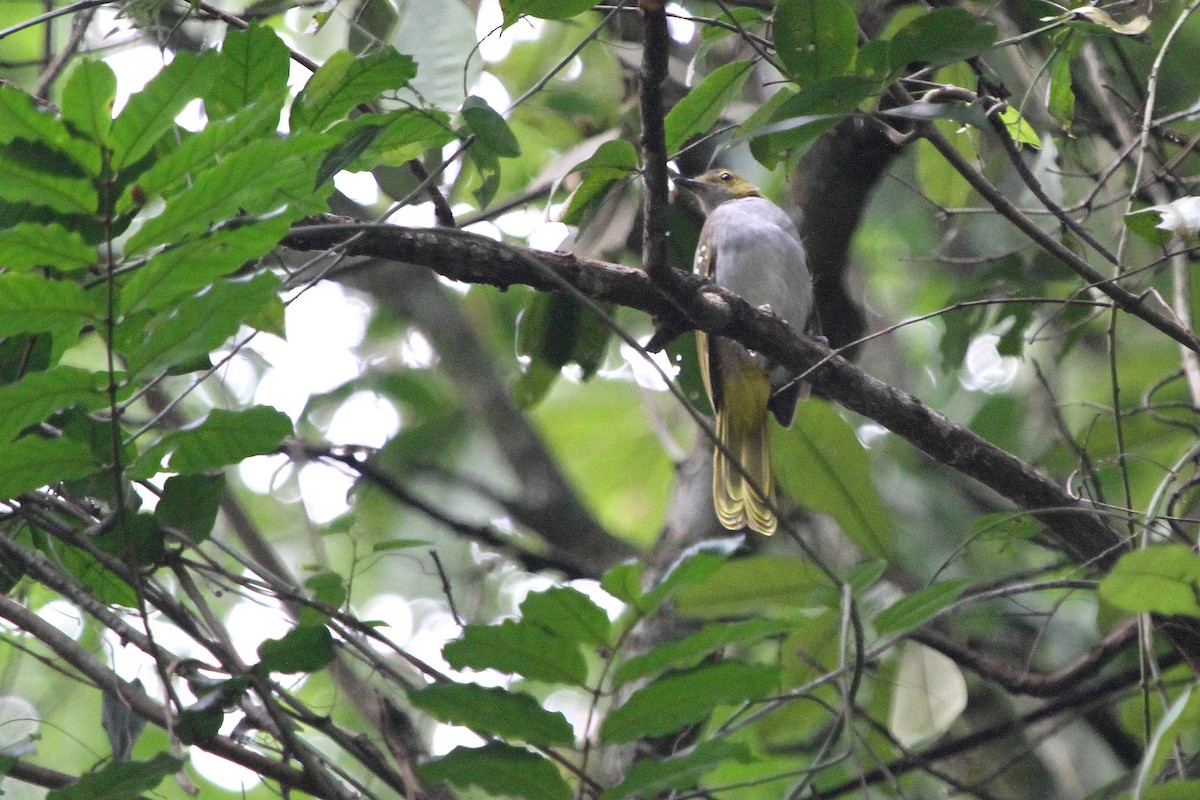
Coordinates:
[364,532]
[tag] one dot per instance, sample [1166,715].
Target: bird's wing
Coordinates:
[703,266]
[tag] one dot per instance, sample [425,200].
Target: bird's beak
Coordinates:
[688,183]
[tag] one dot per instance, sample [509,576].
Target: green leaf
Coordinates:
[151,112]
[518,647]
[31,304]
[912,611]
[22,118]
[752,586]
[700,108]
[499,769]
[624,582]
[306,648]
[692,649]
[87,100]
[542,9]
[200,325]
[346,80]
[22,182]
[820,462]
[136,539]
[942,36]
[1157,580]
[815,38]
[120,780]
[654,777]
[186,268]
[30,463]
[28,245]
[569,614]
[684,698]
[1018,128]
[693,566]
[1060,99]
[190,503]
[1175,790]
[347,151]
[618,155]
[493,711]
[226,437]
[253,66]
[490,129]
[39,394]
[406,134]
[239,186]
[200,151]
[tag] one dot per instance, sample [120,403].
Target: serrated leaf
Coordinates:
[151,112]
[498,769]
[31,462]
[930,695]
[912,611]
[518,647]
[28,245]
[21,182]
[406,134]
[120,780]
[654,777]
[190,266]
[306,648]
[344,81]
[225,437]
[239,186]
[253,64]
[87,99]
[700,108]
[201,150]
[490,129]
[1158,580]
[815,38]
[39,394]
[190,503]
[200,325]
[495,712]
[22,118]
[751,586]
[693,566]
[684,698]
[820,462]
[942,36]
[31,304]
[567,613]
[624,582]
[689,651]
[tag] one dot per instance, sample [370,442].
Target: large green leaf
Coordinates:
[752,586]
[200,325]
[32,304]
[940,37]
[911,611]
[494,711]
[683,698]
[499,770]
[692,649]
[87,100]
[22,118]
[39,394]
[344,81]
[29,245]
[239,185]
[25,182]
[569,614]
[404,135]
[151,112]
[820,462]
[305,648]
[518,647]
[543,9]
[489,128]
[188,267]
[30,463]
[1159,580]
[223,438]
[253,66]
[702,105]
[815,38]
[190,503]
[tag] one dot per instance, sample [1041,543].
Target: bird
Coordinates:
[750,246]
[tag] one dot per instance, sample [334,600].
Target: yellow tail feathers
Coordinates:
[741,428]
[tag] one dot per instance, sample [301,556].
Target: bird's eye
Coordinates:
[725,176]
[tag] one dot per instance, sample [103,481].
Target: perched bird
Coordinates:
[751,247]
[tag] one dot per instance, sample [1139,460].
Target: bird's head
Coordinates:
[718,185]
